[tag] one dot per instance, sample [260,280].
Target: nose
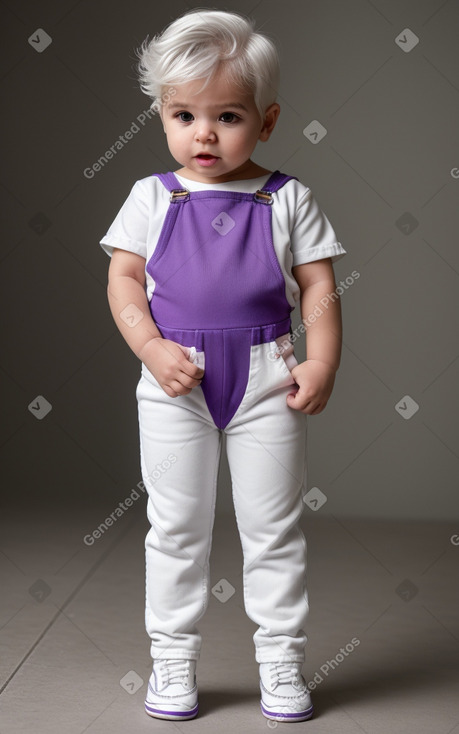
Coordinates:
[204,132]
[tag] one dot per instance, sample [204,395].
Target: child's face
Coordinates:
[223,122]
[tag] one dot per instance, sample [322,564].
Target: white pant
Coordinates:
[266,450]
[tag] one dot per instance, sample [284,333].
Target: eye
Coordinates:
[233,117]
[187,115]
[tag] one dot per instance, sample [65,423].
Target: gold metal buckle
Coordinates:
[179,195]
[264,197]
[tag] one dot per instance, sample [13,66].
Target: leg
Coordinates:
[180,451]
[266,448]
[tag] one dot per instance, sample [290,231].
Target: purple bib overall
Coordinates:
[218,283]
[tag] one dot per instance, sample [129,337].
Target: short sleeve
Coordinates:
[129,229]
[312,236]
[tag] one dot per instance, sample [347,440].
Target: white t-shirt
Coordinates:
[301,231]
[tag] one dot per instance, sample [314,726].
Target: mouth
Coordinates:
[206,159]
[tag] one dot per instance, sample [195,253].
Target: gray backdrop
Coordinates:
[382,79]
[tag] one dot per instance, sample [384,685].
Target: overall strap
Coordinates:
[169,180]
[177,191]
[274,183]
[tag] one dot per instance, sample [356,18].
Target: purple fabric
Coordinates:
[174,712]
[218,285]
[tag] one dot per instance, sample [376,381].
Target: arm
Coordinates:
[316,376]
[166,360]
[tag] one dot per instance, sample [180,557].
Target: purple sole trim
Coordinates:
[298,716]
[161,714]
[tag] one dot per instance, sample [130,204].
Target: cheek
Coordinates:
[250,133]
[176,141]
[242,138]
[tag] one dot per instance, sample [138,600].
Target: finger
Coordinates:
[319,409]
[179,389]
[298,401]
[187,364]
[181,358]
[292,394]
[313,409]
[168,390]
[297,394]
[191,370]
[294,402]
[189,380]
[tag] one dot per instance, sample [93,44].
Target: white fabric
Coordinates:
[266,451]
[301,231]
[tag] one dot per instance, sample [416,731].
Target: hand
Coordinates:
[169,364]
[315,380]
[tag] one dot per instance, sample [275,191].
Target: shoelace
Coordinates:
[283,673]
[175,671]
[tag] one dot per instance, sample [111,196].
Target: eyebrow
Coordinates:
[236,105]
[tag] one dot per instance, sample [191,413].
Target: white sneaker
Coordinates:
[172,690]
[284,694]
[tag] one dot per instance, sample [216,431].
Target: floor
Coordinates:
[75,656]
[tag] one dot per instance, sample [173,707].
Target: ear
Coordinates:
[271,115]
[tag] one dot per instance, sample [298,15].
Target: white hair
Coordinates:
[200,43]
